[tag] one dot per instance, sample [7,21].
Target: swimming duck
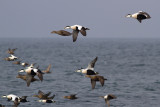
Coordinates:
[11,51]
[95,78]
[42,95]
[141,15]
[28,78]
[90,69]
[72,96]
[76,29]
[48,69]
[62,33]
[108,97]
[46,101]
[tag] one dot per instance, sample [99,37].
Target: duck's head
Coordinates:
[129,15]
[67,27]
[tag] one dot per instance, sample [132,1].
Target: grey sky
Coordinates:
[105,18]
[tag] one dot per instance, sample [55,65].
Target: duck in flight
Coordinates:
[76,29]
[141,15]
[95,78]
[108,97]
[90,69]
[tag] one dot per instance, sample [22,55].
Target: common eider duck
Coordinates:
[76,29]
[48,69]
[62,33]
[72,97]
[35,71]
[90,69]
[46,101]
[108,97]
[141,15]
[11,51]
[28,78]
[12,57]
[11,97]
[8,59]
[95,78]
[24,64]
[42,95]
[17,62]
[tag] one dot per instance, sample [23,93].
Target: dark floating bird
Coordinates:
[62,33]
[76,29]
[28,78]
[108,97]
[141,15]
[72,97]
[95,78]
[44,96]
[48,69]
[11,51]
[90,69]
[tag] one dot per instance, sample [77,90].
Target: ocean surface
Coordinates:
[132,67]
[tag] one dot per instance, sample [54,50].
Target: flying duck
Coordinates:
[62,33]
[76,29]
[42,95]
[46,101]
[95,78]
[28,78]
[48,69]
[17,62]
[8,59]
[141,15]
[108,97]
[90,69]
[11,97]
[24,64]
[11,51]
[12,57]
[35,71]
[72,97]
